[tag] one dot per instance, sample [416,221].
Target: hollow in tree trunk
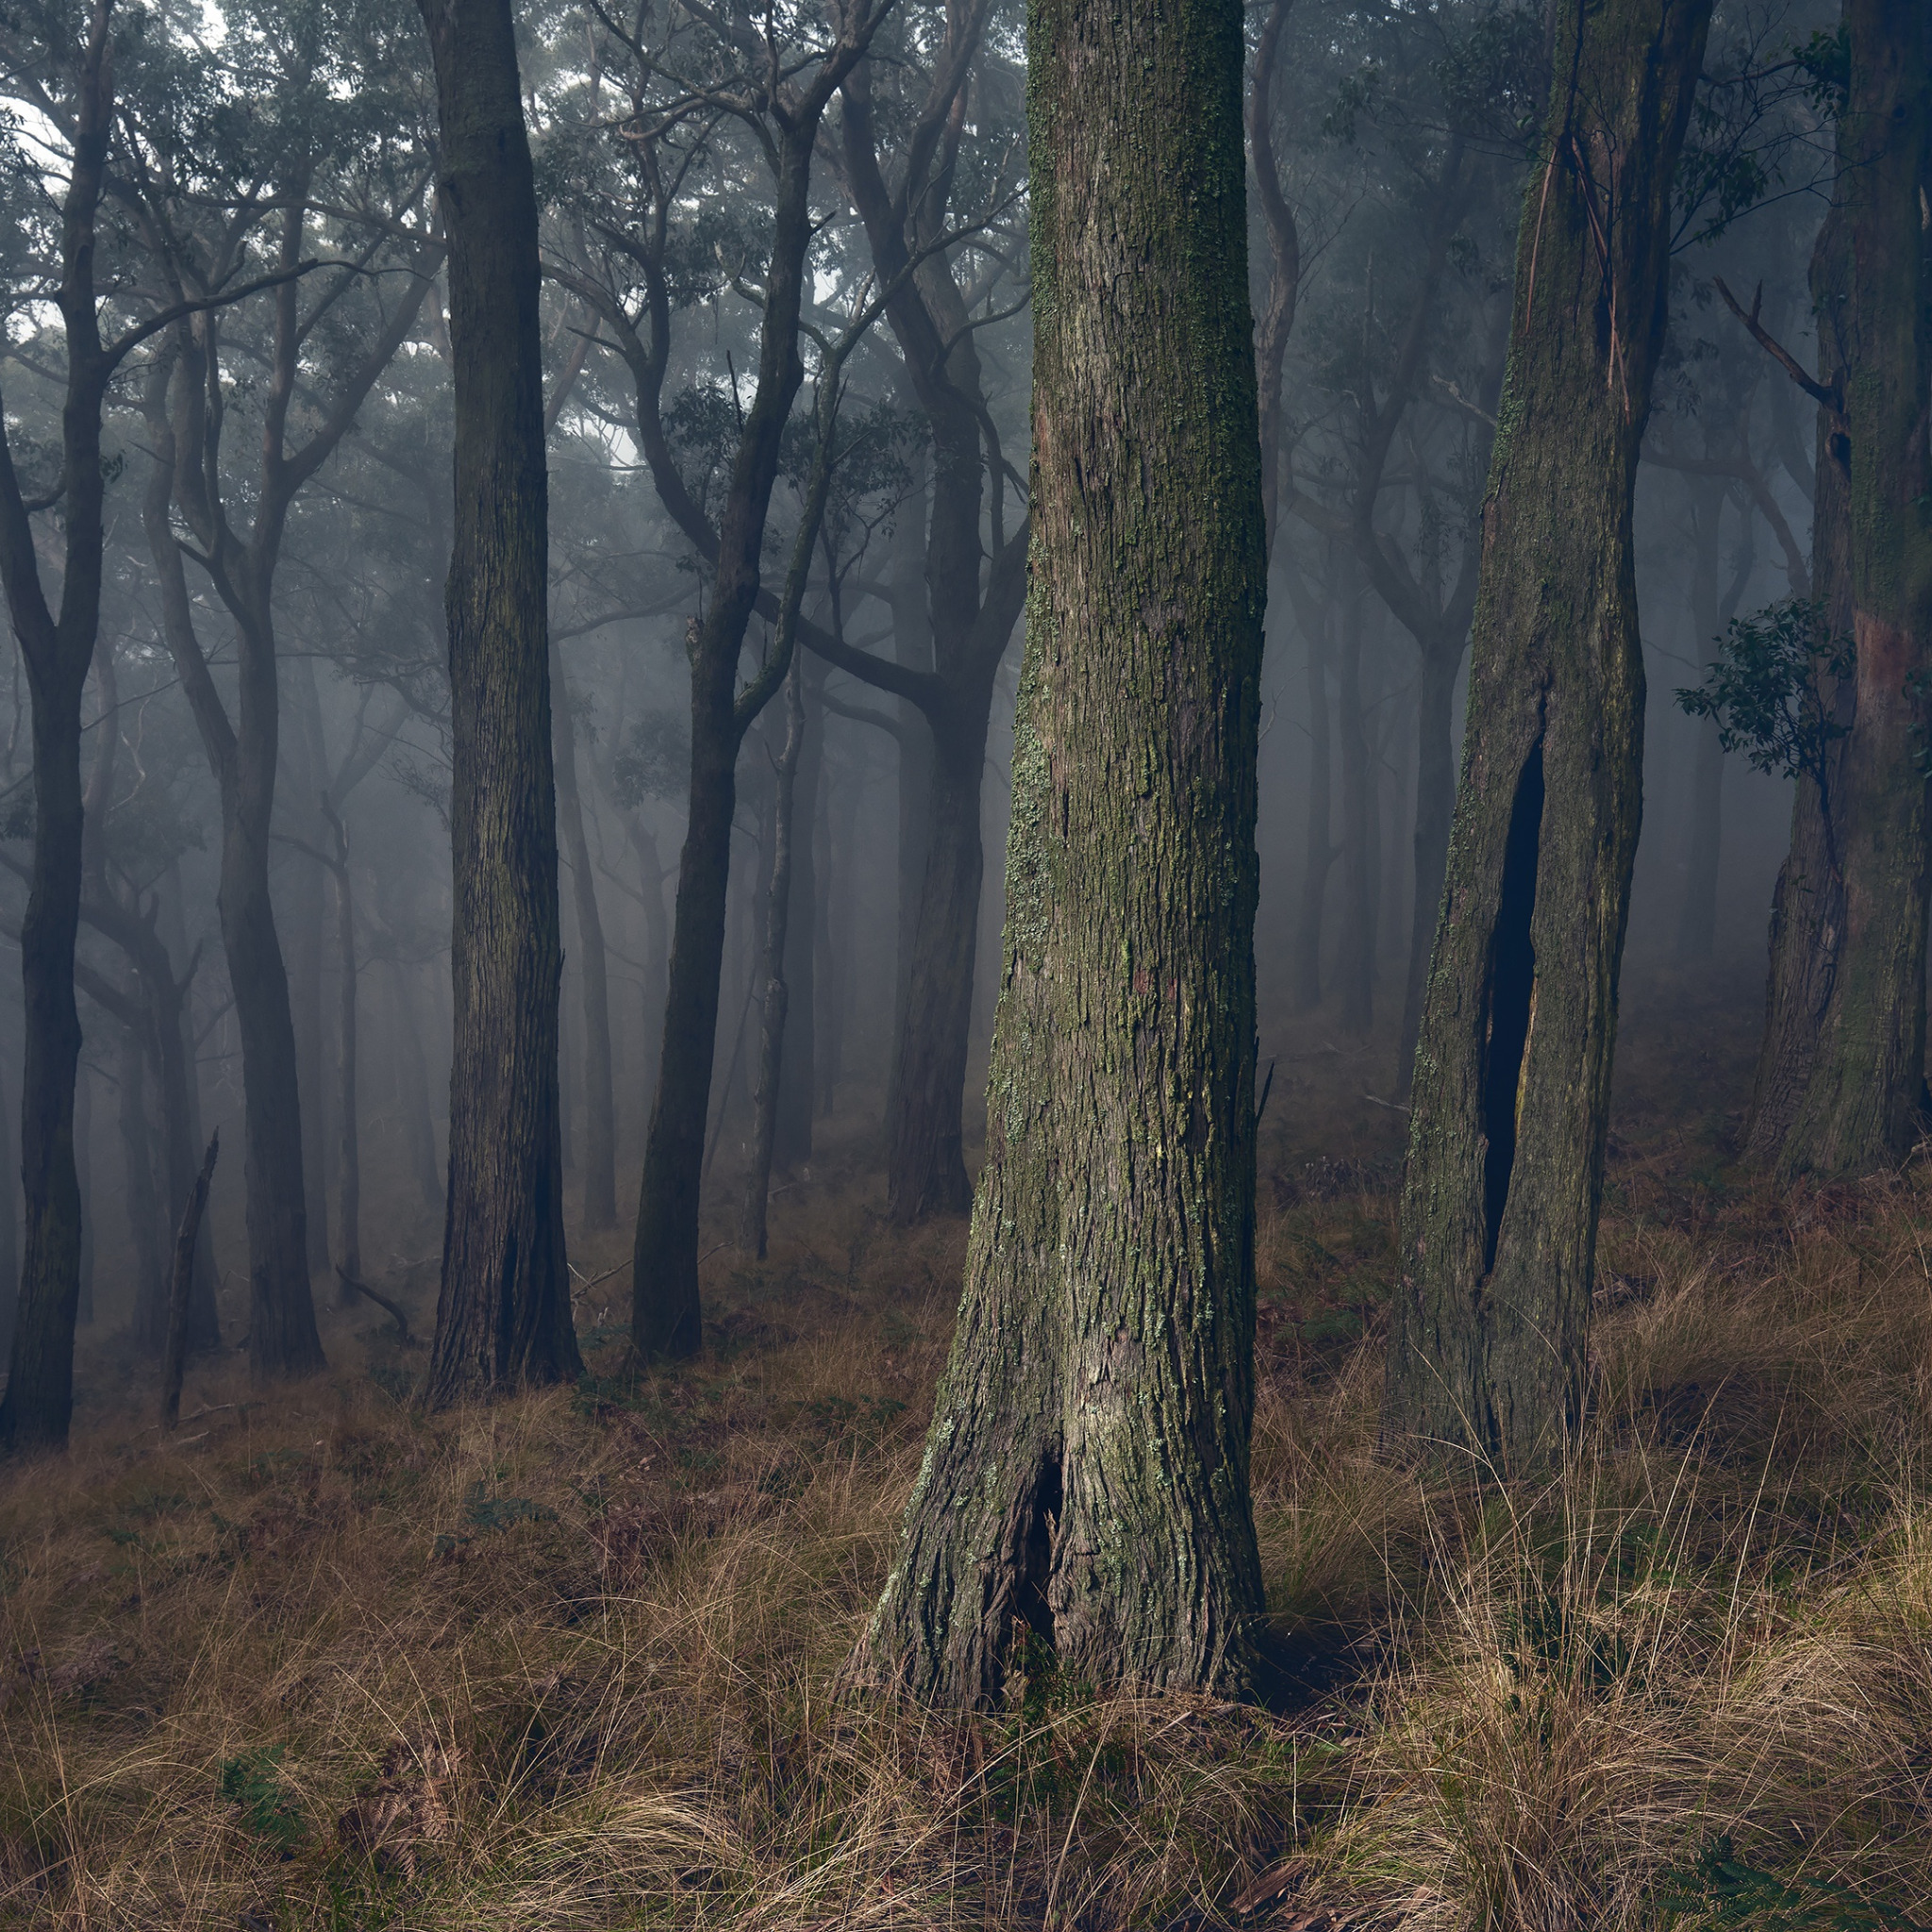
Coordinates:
[1085,1493]
[503,1315]
[1512,1070]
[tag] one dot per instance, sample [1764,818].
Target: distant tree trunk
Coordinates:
[1361,843]
[503,1316]
[303,922]
[773,965]
[56,652]
[84,1179]
[1086,1483]
[912,649]
[1321,849]
[838,834]
[412,1089]
[600,1102]
[1808,906]
[1512,1071]
[1864,1103]
[798,1084]
[10,1226]
[348,1133]
[1435,806]
[143,1204]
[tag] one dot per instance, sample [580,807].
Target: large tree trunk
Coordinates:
[1862,1104]
[600,1104]
[503,1315]
[1086,1482]
[1512,1071]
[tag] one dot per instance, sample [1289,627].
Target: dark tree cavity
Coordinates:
[1512,1070]
[1085,1492]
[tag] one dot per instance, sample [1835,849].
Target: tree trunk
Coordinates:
[925,1160]
[772,966]
[1435,805]
[503,1315]
[1512,1070]
[348,1132]
[1320,852]
[1360,830]
[141,1203]
[1085,1493]
[600,1103]
[303,920]
[796,1088]
[10,1228]
[911,648]
[412,1081]
[1862,1105]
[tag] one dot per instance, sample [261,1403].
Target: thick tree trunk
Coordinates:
[593,970]
[503,1316]
[1435,806]
[1512,1070]
[774,963]
[1085,1493]
[1864,1103]
[1362,842]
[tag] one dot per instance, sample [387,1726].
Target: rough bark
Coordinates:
[502,1314]
[1085,1491]
[1512,1071]
[1863,1100]
[56,651]
[1435,806]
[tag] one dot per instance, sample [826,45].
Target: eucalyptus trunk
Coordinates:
[1863,1103]
[503,1317]
[1512,1070]
[1085,1496]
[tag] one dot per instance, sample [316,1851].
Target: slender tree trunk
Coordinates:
[1435,805]
[303,920]
[838,834]
[413,1080]
[10,1228]
[1086,1481]
[600,1102]
[141,1202]
[1512,1070]
[772,966]
[1319,853]
[348,1132]
[797,1086]
[503,1316]
[1862,1106]
[1361,840]
[911,648]
[926,1162]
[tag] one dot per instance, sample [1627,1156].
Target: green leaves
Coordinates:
[1768,687]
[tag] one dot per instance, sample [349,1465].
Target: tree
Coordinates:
[1512,1072]
[1862,1106]
[503,1312]
[1085,1492]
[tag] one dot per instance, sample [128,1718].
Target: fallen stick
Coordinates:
[382,1301]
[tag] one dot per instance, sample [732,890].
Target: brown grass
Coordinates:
[569,1662]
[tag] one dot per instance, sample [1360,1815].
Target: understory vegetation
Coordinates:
[575,1661]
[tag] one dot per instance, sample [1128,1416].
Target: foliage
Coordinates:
[1770,688]
[657,762]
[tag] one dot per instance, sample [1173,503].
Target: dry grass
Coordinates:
[324,1661]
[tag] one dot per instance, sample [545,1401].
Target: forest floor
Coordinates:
[321,1661]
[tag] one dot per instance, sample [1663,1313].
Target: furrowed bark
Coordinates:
[1084,1499]
[503,1316]
[1512,1070]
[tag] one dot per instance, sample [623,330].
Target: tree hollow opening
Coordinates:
[1512,995]
[1034,1551]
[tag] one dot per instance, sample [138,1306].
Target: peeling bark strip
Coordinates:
[503,1315]
[1512,1069]
[1086,1481]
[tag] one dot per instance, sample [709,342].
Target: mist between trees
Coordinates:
[517,539]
